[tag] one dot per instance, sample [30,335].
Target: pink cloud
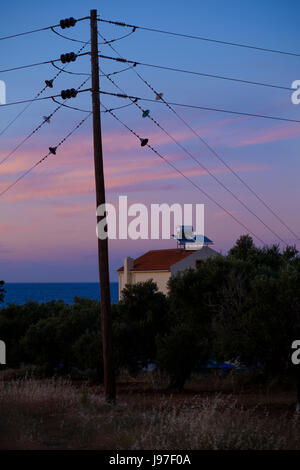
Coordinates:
[71,182]
[239,137]
[71,171]
[272,135]
[74,210]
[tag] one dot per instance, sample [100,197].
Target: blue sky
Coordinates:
[47,222]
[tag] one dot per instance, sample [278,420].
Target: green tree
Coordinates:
[188,341]
[139,318]
[54,341]
[15,320]
[262,318]
[242,306]
[244,248]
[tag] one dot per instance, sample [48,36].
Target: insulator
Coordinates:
[69,93]
[144,142]
[49,83]
[67,22]
[68,57]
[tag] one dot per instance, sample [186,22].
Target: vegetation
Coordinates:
[139,319]
[54,414]
[243,307]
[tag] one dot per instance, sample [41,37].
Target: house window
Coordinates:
[198,262]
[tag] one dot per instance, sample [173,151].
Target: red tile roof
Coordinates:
[158,260]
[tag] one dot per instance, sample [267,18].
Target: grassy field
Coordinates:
[60,414]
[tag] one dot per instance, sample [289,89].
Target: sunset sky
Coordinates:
[48,220]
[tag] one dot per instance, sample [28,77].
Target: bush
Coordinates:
[139,318]
[244,306]
[177,354]
[57,340]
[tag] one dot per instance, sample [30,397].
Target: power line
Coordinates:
[71,107]
[205,108]
[202,74]
[119,38]
[39,99]
[37,30]
[89,111]
[40,92]
[211,149]
[119,107]
[82,73]
[39,63]
[118,71]
[27,137]
[217,155]
[23,110]
[38,127]
[185,176]
[207,170]
[44,158]
[102,43]
[68,71]
[63,36]
[241,113]
[201,38]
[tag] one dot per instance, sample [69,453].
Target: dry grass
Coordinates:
[55,414]
[218,423]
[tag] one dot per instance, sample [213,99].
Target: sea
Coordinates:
[20,292]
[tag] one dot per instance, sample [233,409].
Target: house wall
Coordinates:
[159,277]
[121,283]
[190,261]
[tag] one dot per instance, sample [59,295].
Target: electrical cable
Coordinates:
[207,170]
[89,111]
[119,38]
[39,99]
[186,177]
[39,63]
[201,38]
[39,93]
[63,36]
[205,108]
[192,72]
[37,30]
[71,107]
[43,158]
[210,148]
[81,73]
[38,127]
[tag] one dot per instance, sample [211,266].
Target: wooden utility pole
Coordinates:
[106,320]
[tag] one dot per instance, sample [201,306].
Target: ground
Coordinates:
[211,413]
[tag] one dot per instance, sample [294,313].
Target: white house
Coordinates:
[160,265]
